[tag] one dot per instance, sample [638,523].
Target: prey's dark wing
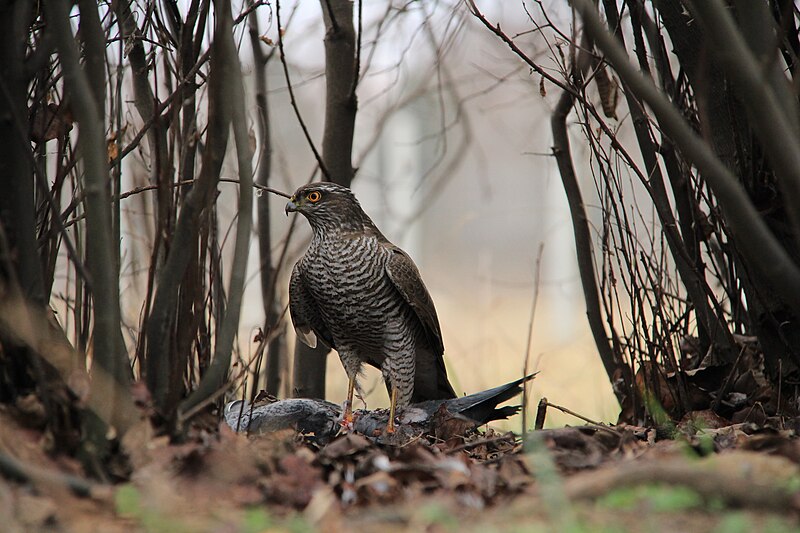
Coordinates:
[308,323]
[404,275]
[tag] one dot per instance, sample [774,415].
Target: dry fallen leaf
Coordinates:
[608,89]
[50,122]
[294,484]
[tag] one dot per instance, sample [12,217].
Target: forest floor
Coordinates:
[700,475]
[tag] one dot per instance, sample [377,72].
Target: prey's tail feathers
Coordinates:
[482,406]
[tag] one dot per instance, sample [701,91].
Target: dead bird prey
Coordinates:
[320,419]
[364,297]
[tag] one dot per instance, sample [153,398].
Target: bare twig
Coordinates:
[292,98]
[231,85]
[145,188]
[109,351]
[41,182]
[596,425]
[612,362]
[164,308]
[526,362]
[757,243]
[541,414]
[495,28]
[269,294]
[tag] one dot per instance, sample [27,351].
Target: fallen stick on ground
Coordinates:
[732,486]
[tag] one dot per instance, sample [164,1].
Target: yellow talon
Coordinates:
[347,418]
[390,425]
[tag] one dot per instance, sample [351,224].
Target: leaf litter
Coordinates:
[221,480]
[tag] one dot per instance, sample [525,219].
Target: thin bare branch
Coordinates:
[232,86]
[753,237]
[292,98]
[109,353]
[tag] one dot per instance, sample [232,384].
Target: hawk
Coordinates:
[363,296]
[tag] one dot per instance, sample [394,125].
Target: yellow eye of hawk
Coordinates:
[314,197]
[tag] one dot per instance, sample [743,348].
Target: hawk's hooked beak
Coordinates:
[291,207]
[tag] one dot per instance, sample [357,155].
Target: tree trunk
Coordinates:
[17,210]
[341,76]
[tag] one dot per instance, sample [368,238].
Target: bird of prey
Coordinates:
[318,418]
[363,296]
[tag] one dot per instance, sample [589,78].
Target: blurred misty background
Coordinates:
[452,146]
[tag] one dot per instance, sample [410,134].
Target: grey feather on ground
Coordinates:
[306,416]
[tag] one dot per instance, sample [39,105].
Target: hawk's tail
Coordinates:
[430,378]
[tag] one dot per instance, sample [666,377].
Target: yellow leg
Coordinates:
[347,419]
[392,405]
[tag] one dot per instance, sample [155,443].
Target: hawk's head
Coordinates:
[327,205]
